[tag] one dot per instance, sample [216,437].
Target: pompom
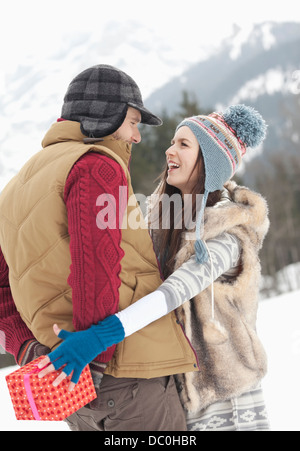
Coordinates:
[248,124]
[201,252]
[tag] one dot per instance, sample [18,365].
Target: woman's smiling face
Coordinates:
[182,156]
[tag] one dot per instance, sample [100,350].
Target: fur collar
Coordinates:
[247,208]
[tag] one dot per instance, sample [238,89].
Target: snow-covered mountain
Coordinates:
[233,71]
[258,66]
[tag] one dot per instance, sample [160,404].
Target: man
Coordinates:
[66,269]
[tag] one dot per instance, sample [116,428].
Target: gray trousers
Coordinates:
[128,404]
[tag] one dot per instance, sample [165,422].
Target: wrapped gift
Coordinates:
[37,399]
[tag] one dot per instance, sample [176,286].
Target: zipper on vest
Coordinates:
[195,354]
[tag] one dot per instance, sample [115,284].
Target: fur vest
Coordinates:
[231,357]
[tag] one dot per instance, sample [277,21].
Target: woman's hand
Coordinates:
[78,349]
[50,368]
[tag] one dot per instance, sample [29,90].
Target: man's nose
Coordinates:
[137,138]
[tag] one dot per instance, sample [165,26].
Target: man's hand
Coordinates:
[31,350]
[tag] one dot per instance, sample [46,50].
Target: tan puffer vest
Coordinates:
[35,243]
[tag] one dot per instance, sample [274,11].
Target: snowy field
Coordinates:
[279,329]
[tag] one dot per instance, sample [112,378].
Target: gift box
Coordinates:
[37,399]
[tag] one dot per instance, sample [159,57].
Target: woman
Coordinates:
[220,321]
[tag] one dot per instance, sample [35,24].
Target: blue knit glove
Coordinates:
[79,348]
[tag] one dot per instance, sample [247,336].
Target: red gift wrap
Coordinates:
[36,399]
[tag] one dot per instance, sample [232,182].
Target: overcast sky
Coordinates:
[35,29]
[59,38]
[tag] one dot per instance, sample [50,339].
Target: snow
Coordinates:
[268,38]
[286,279]
[246,33]
[279,329]
[274,80]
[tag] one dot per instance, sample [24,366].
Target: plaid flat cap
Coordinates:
[99,97]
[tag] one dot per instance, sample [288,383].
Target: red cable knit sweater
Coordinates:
[95,253]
